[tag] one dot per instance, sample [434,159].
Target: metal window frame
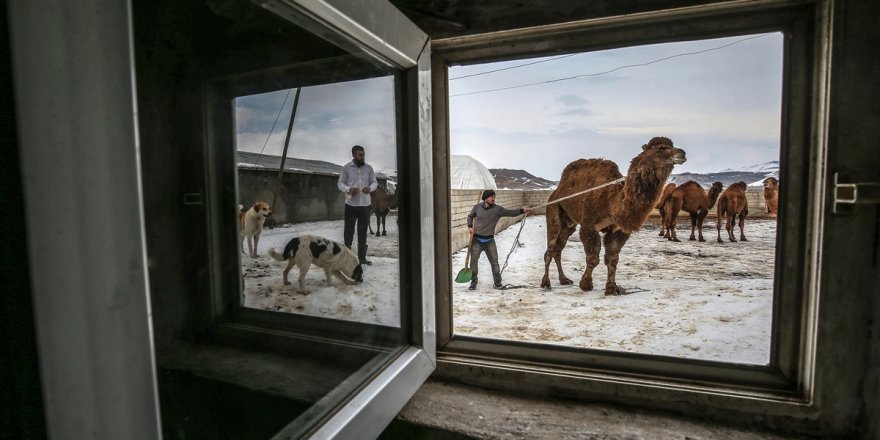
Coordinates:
[380,30]
[785,386]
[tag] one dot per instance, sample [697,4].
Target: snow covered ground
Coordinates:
[707,300]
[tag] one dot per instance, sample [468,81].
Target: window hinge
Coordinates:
[854,194]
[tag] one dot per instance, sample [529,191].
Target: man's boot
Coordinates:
[362,255]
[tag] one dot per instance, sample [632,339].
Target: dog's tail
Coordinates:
[275,254]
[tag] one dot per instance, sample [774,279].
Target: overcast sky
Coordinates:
[717,99]
[329,120]
[721,106]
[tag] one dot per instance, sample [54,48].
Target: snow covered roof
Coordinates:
[468,173]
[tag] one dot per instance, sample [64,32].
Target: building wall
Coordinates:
[303,197]
[462,200]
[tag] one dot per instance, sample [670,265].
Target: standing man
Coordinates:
[357,179]
[487,215]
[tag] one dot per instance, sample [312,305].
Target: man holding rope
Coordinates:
[486,216]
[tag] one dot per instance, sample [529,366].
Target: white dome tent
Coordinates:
[468,173]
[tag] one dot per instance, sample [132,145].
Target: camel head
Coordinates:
[714,192]
[657,158]
[661,150]
[771,183]
[644,183]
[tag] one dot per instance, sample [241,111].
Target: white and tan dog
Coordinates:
[334,258]
[250,226]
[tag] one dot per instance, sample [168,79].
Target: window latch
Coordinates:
[854,194]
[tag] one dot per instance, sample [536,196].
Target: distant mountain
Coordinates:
[519,179]
[753,175]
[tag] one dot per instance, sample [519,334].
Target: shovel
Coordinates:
[465,274]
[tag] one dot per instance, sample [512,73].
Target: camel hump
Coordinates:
[690,184]
[592,168]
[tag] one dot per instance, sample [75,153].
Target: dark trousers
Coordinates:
[361,216]
[491,252]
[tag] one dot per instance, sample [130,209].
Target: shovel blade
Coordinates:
[463,276]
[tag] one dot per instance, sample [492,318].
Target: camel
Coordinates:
[691,198]
[732,204]
[615,210]
[771,195]
[382,203]
[667,190]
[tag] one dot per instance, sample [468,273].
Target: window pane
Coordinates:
[516,125]
[305,209]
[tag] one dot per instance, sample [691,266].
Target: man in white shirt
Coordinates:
[357,179]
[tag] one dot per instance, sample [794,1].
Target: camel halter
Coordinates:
[523,222]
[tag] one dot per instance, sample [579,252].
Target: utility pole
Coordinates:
[284,154]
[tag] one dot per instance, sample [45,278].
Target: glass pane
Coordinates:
[218,84]
[516,125]
[304,208]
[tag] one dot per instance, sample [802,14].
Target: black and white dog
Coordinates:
[334,258]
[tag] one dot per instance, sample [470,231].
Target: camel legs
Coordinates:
[742,221]
[614,242]
[699,218]
[673,206]
[693,226]
[662,210]
[559,228]
[729,226]
[592,243]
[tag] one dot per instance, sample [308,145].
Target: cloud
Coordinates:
[723,106]
[571,100]
[575,112]
[329,120]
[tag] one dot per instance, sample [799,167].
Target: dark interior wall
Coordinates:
[21,403]
[854,127]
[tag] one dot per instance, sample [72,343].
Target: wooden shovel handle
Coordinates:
[467,258]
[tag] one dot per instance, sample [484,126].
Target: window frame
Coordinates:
[652,379]
[362,28]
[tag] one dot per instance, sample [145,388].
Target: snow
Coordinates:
[374,301]
[469,173]
[697,300]
[766,167]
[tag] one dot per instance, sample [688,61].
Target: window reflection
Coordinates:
[291,147]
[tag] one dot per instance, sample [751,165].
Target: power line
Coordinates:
[514,67]
[612,70]
[273,126]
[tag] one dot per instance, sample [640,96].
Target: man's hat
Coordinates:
[488,193]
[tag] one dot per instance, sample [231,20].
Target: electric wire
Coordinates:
[260,156]
[610,71]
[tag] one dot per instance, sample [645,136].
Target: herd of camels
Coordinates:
[610,214]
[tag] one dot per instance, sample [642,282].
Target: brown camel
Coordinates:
[732,204]
[691,198]
[661,202]
[381,203]
[771,195]
[616,210]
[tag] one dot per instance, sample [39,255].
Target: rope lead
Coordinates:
[523,222]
